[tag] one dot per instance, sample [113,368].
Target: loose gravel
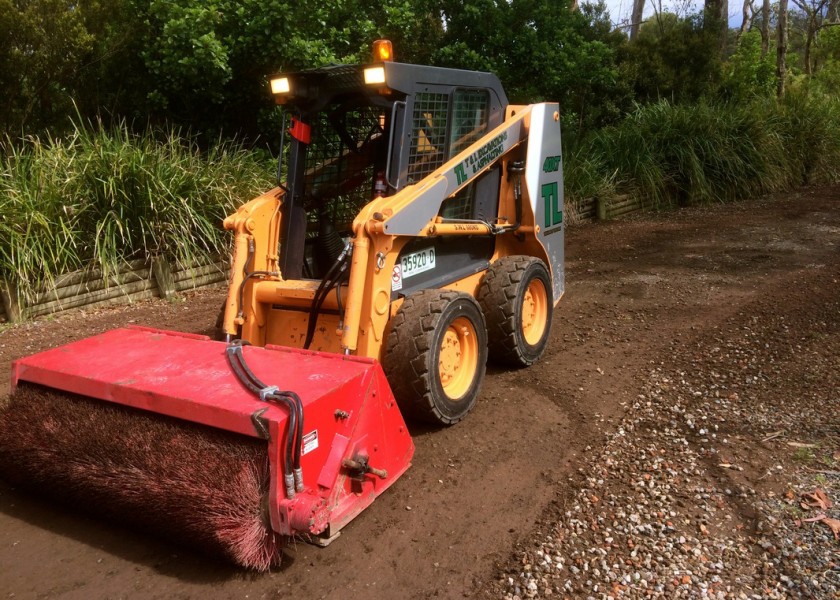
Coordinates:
[698,493]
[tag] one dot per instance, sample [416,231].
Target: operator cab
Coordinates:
[356,132]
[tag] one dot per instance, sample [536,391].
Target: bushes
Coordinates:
[99,198]
[810,126]
[681,154]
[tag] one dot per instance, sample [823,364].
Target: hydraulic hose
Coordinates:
[247,275]
[329,281]
[516,168]
[292,474]
[287,395]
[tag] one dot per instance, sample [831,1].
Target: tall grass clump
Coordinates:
[584,177]
[101,197]
[692,153]
[810,127]
[667,153]
[39,237]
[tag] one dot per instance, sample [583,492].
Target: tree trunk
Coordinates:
[636,18]
[724,25]
[809,41]
[765,27]
[745,17]
[781,48]
[814,11]
[833,14]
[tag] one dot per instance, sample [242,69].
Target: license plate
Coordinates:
[418,262]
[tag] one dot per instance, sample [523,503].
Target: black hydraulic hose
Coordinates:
[292,474]
[247,377]
[317,302]
[339,303]
[299,437]
[245,279]
[247,275]
[251,249]
[327,283]
[286,395]
[517,168]
[293,401]
[234,357]
[257,386]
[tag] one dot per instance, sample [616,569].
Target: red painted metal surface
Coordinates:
[349,410]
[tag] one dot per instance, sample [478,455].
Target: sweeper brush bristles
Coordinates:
[191,484]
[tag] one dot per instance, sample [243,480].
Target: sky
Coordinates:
[620,9]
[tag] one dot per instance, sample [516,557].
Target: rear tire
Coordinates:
[436,355]
[515,296]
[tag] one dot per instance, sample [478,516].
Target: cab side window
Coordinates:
[470,110]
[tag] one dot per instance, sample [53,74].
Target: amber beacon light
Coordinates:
[383,50]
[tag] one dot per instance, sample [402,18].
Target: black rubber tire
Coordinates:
[501,296]
[411,359]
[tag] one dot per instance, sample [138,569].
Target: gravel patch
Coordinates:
[699,492]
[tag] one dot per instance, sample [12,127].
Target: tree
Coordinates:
[748,73]
[747,16]
[675,58]
[541,50]
[765,27]
[209,61]
[636,18]
[715,17]
[781,48]
[815,11]
[827,78]
[43,45]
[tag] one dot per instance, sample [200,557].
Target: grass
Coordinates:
[670,154]
[804,455]
[99,198]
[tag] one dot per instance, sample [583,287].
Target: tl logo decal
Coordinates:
[553,209]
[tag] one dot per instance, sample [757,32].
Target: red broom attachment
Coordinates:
[188,483]
[173,437]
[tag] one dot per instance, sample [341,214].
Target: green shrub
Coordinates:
[668,153]
[810,127]
[101,197]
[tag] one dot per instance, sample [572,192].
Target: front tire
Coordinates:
[436,355]
[515,296]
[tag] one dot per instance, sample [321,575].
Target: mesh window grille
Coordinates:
[469,119]
[469,123]
[428,134]
[339,163]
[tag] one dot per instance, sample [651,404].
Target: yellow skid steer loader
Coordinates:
[416,229]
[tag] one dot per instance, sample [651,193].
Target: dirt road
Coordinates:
[478,490]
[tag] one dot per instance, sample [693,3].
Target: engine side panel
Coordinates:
[544,184]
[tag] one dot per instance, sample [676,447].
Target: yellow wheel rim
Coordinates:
[534,312]
[458,358]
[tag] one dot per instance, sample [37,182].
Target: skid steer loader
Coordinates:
[416,228]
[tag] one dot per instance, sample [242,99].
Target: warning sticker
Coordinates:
[396,278]
[310,442]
